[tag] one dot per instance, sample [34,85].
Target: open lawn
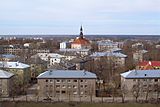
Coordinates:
[33,104]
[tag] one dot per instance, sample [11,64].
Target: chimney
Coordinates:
[136,72]
[84,73]
[50,72]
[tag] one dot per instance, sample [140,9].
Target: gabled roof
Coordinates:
[141,74]
[67,74]
[5,74]
[13,65]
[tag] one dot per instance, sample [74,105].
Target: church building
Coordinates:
[81,42]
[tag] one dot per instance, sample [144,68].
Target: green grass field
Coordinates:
[32,104]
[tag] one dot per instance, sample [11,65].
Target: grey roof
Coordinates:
[5,74]
[8,56]
[74,50]
[67,74]
[141,74]
[101,54]
[13,65]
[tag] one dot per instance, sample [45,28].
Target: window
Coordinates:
[144,79]
[57,92]
[81,80]
[63,81]
[134,80]
[155,80]
[63,92]
[85,86]
[57,86]
[51,81]
[63,86]
[69,86]
[81,86]
[74,92]
[58,81]
[85,81]
[46,80]
[69,81]
[75,80]
[46,85]
[82,92]
[74,86]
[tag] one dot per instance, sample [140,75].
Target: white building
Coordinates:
[52,58]
[64,45]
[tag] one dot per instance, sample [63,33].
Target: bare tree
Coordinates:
[124,91]
[147,91]
[91,92]
[37,94]
[157,89]
[136,90]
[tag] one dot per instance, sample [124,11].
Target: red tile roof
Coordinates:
[152,63]
[81,41]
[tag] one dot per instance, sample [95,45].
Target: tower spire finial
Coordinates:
[81,32]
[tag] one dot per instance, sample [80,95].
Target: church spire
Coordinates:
[81,32]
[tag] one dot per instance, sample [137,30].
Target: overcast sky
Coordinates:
[66,16]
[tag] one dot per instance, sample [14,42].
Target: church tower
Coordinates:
[81,32]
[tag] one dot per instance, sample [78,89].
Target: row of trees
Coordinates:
[141,89]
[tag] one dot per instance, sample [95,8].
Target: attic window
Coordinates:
[145,74]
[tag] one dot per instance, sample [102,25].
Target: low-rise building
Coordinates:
[6,83]
[117,58]
[138,56]
[20,70]
[66,84]
[65,45]
[78,52]
[141,82]
[107,45]
[8,57]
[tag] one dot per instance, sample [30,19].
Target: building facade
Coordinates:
[66,84]
[6,83]
[141,83]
